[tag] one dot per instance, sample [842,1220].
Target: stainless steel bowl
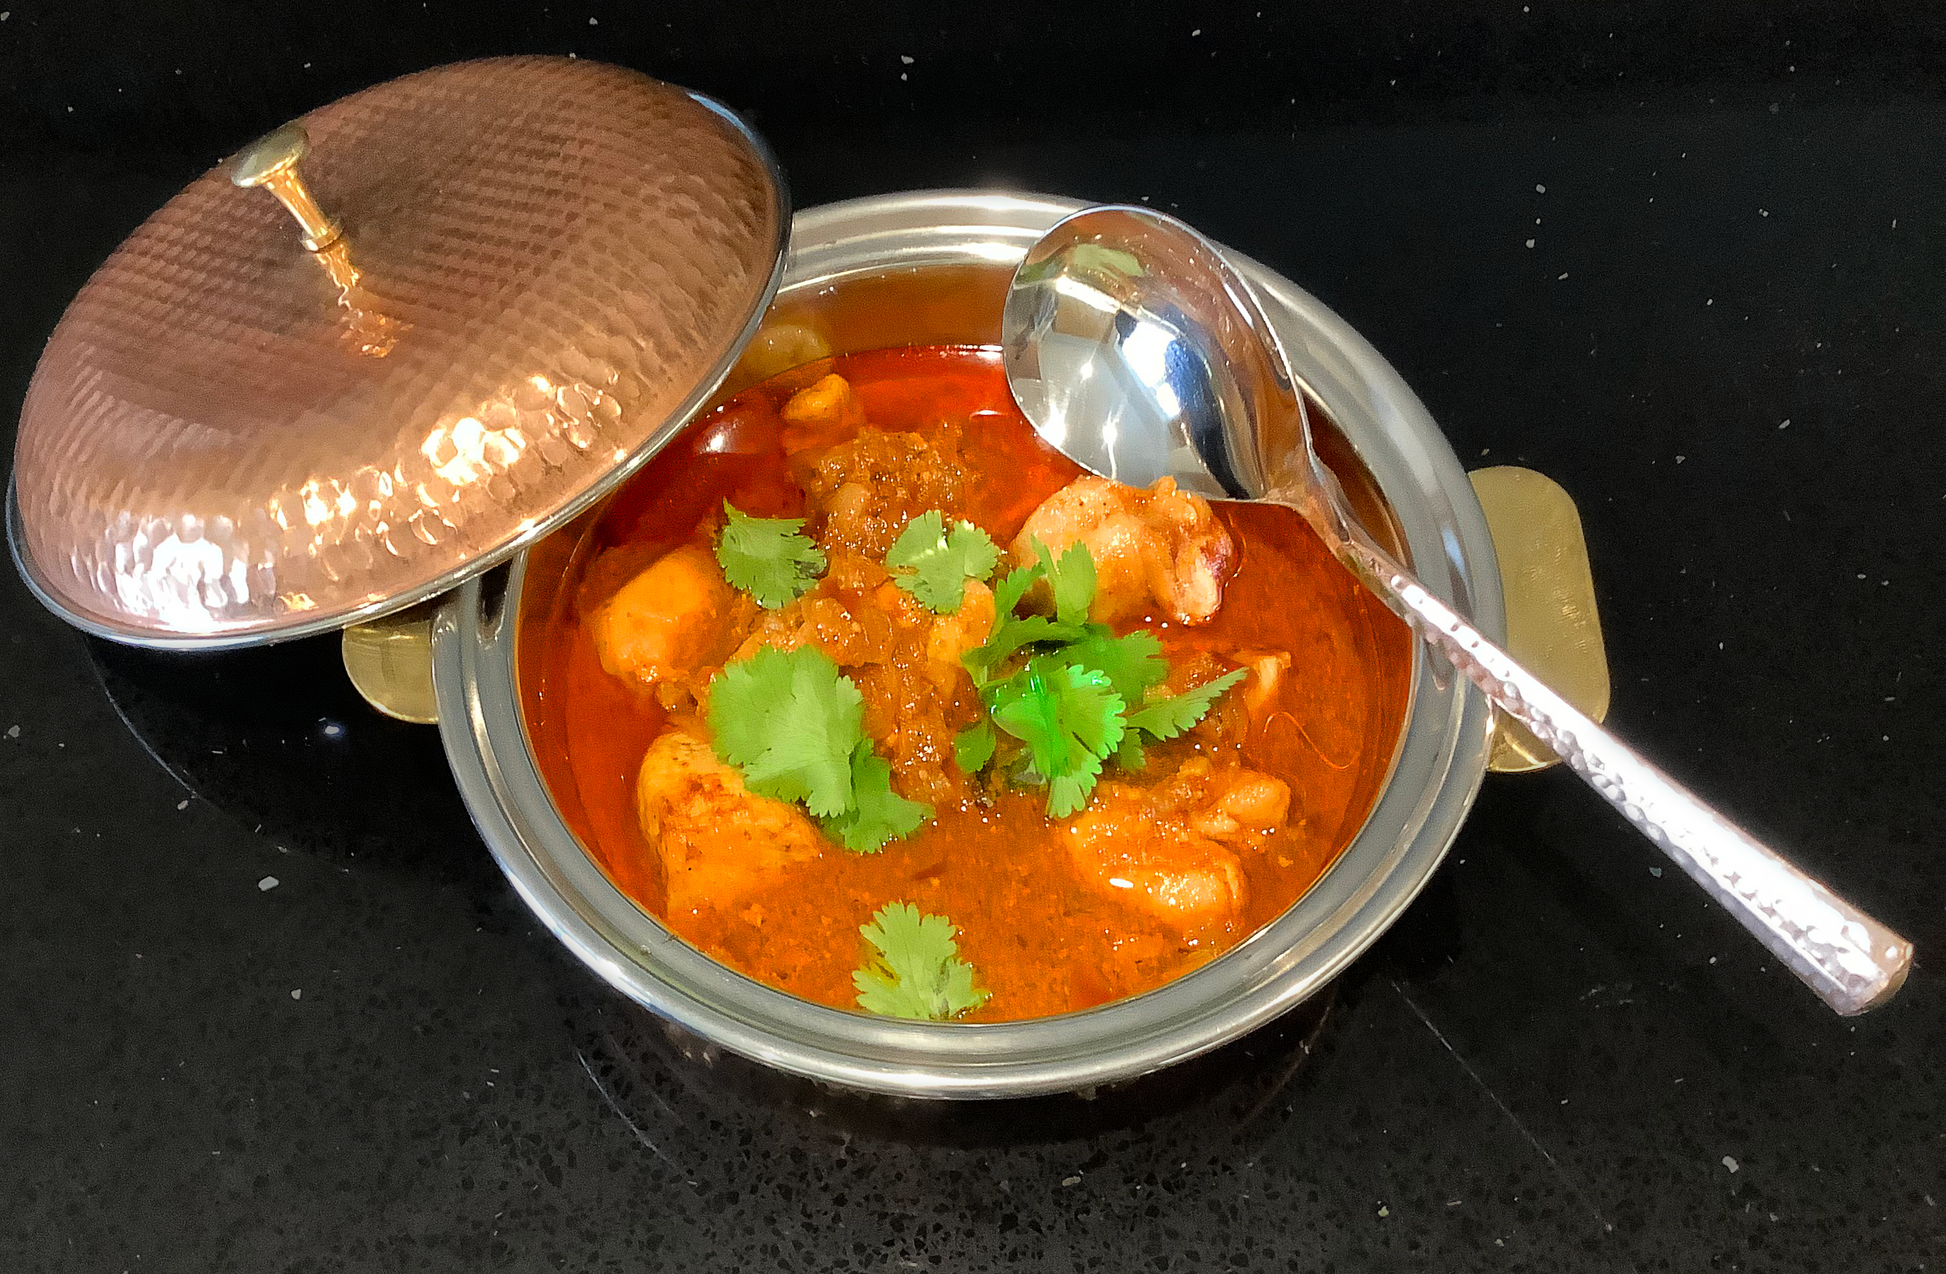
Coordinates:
[1435,772]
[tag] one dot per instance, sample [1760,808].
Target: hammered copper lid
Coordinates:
[240,433]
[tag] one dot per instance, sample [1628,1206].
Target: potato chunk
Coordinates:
[718,840]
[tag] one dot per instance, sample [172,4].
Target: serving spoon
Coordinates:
[1137,351]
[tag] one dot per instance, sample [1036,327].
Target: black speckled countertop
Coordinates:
[266,1004]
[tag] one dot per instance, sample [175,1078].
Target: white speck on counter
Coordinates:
[1560,276]
[1383,1210]
[1786,423]
[1193,34]
[1530,243]
[267,884]
[594,22]
[1710,301]
[298,994]
[1730,1163]
[904,76]
[182,805]
[1680,459]
[1656,872]
[5,14]
[13,732]
[307,66]
[1763,212]
[1071,1181]
[905,60]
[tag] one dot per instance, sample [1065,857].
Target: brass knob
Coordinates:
[271,162]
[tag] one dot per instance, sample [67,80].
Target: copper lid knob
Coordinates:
[512,281]
[271,162]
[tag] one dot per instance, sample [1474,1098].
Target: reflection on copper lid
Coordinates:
[545,266]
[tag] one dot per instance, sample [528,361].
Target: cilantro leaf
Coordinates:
[1071,577]
[933,564]
[795,728]
[1076,696]
[790,723]
[1068,793]
[1009,637]
[973,747]
[1010,588]
[769,558]
[878,814]
[1167,718]
[916,971]
[1133,662]
[1069,717]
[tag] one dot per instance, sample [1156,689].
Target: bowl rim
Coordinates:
[1435,773]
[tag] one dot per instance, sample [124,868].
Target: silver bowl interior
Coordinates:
[1435,772]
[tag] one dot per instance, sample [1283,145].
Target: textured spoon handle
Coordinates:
[1851,960]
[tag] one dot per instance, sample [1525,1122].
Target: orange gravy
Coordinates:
[1039,941]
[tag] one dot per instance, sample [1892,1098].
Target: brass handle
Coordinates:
[389,662]
[271,162]
[1552,624]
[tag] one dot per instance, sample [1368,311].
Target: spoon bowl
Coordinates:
[1136,350]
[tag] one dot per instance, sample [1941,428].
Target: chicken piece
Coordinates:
[718,840]
[1250,809]
[1162,546]
[1161,868]
[951,636]
[829,403]
[1170,850]
[677,617]
[1238,806]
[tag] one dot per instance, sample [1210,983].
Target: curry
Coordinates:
[866,692]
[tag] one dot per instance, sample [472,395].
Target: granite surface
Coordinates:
[266,1004]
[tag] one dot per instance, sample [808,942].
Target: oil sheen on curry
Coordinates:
[869,694]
